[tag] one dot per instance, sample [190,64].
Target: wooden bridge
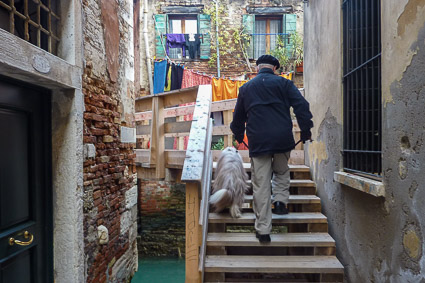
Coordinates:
[220,248]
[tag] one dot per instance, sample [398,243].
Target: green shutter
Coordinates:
[248,22]
[205,30]
[160,29]
[289,27]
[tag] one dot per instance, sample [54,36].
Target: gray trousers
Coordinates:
[262,168]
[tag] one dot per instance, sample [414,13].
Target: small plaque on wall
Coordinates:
[128,135]
[40,64]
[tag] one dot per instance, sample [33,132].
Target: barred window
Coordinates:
[35,21]
[362,87]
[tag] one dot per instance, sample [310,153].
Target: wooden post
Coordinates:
[192,233]
[180,140]
[227,119]
[157,148]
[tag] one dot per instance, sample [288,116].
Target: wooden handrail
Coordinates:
[197,171]
[156,131]
[181,129]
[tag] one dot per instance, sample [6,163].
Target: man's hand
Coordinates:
[239,139]
[306,136]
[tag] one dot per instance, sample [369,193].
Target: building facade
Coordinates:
[262,21]
[362,66]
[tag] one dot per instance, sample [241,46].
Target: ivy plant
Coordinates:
[228,38]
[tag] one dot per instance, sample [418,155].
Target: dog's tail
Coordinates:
[221,199]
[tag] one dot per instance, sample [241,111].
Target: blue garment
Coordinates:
[159,74]
[176,40]
[263,104]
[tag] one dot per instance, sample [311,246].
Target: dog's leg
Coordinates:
[235,211]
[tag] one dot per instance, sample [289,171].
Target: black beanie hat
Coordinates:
[268,59]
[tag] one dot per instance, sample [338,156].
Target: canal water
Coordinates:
[160,270]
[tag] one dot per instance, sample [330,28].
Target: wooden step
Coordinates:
[247,218]
[293,183]
[292,168]
[293,199]
[273,264]
[277,240]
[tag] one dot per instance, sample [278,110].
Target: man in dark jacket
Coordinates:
[264,105]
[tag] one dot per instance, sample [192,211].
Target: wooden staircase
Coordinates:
[301,250]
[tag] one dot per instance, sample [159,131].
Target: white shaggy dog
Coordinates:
[230,185]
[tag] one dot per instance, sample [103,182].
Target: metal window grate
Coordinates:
[362,86]
[35,21]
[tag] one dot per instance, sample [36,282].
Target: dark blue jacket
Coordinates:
[263,104]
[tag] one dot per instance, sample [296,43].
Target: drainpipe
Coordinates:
[148,56]
[216,30]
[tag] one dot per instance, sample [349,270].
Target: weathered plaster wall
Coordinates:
[231,65]
[63,78]
[110,191]
[378,239]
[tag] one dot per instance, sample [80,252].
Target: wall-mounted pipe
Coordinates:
[216,30]
[148,56]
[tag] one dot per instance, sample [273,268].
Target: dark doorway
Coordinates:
[26,239]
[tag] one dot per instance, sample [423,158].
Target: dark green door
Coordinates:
[25,184]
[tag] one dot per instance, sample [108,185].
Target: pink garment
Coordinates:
[193,79]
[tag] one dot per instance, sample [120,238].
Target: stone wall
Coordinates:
[231,65]
[110,191]
[162,218]
[378,239]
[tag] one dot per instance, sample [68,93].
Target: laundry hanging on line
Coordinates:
[168,78]
[193,45]
[223,89]
[175,40]
[159,76]
[191,78]
[176,76]
[287,76]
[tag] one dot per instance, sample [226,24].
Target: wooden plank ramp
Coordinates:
[296,217]
[292,168]
[295,199]
[278,240]
[273,264]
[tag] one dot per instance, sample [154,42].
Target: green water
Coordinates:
[160,270]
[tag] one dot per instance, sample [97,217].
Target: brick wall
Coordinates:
[110,190]
[161,218]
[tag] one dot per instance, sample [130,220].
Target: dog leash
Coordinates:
[310,140]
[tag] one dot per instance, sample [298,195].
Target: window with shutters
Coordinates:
[192,29]
[187,25]
[264,31]
[267,30]
[35,21]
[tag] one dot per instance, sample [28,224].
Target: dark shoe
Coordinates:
[280,208]
[263,238]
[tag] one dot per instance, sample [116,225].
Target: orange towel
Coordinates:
[287,76]
[225,89]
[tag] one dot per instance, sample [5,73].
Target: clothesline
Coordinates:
[197,72]
[269,34]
